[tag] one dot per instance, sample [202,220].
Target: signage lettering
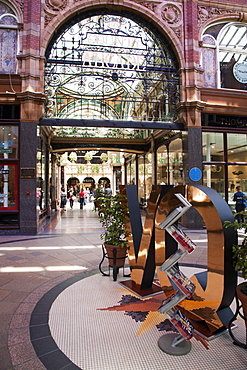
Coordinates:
[224,121]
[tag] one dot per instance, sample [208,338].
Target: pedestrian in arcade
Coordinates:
[63,196]
[82,198]
[71,197]
[240,198]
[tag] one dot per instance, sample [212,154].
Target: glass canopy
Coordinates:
[112,68]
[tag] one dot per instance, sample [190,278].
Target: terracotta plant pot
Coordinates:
[121,253]
[242,296]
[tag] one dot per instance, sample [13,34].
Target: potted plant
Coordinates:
[113,213]
[240,263]
[98,193]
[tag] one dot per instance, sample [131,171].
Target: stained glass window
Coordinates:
[111,67]
[8,39]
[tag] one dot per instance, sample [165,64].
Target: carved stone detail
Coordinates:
[49,17]
[56,5]
[171,14]
[150,5]
[207,12]
[178,32]
[21,4]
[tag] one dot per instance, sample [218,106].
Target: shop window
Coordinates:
[131,171]
[8,39]
[8,186]
[170,163]
[237,147]
[176,162]
[9,183]
[41,175]
[212,147]
[8,142]
[148,173]
[213,151]
[237,176]
[237,168]
[141,179]
[213,177]
[227,43]
[162,165]
[225,162]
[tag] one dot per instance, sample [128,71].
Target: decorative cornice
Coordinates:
[188,105]
[31,95]
[56,5]
[151,5]
[206,12]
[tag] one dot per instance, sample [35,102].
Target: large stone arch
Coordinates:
[156,16]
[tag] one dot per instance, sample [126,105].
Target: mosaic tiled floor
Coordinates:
[81,336]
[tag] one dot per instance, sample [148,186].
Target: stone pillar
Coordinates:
[192,157]
[192,149]
[28,145]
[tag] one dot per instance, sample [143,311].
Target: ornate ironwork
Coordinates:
[111,67]
[85,132]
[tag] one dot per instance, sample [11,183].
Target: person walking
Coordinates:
[82,198]
[71,197]
[63,196]
[239,197]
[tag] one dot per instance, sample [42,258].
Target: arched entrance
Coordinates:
[104,181]
[74,183]
[89,182]
[110,67]
[112,80]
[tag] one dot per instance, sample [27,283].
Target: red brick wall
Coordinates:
[32,19]
[191,31]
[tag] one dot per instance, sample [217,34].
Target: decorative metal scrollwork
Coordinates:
[108,67]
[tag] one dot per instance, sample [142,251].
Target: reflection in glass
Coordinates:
[141,180]
[8,142]
[148,173]
[237,176]
[162,166]
[212,147]
[176,162]
[41,179]
[213,177]
[237,147]
[8,186]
